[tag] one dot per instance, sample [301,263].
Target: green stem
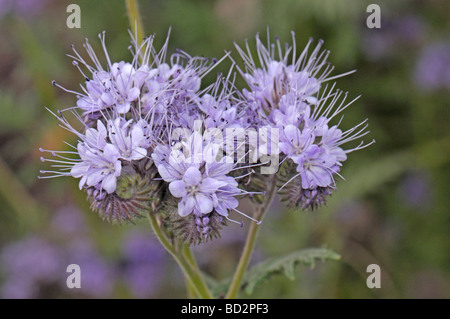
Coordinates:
[235,286]
[160,235]
[135,20]
[190,290]
[192,275]
[187,253]
[194,279]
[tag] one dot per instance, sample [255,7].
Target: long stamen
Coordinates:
[258,222]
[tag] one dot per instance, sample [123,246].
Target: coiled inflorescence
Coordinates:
[290,93]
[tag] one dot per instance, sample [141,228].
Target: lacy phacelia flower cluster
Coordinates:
[289,92]
[154,138]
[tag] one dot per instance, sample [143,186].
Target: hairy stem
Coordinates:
[235,286]
[189,256]
[193,277]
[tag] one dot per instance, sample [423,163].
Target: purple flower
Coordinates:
[223,106]
[171,90]
[127,108]
[34,258]
[194,191]
[316,148]
[175,81]
[201,180]
[397,33]
[197,178]
[268,85]
[98,169]
[294,142]
[97,96]
[19,288]
[23,8]
[144,261]
[220,114]
[331,139]
[291,111]
[116,89]
[315,164]
[128,138]
[101,150]
[224,199]
[315,167]
[29,263]
[110,89]
[416,191]
[97,279]
[297,79]
[34,263]
[96,138]
[285,93]
[69,220]
[151,136]
[145,89]
[125,86]
[432,69]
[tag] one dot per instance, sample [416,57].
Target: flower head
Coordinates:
[151,139]
[200,179]
[288,92]
[198,176]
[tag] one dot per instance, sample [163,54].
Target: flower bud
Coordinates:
[135,196]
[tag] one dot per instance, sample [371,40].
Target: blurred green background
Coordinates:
[392,209]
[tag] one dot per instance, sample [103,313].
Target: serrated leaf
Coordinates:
[286,265]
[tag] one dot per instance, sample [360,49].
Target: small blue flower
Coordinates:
[98,169]
[198,176]
[128,138]
[196,192]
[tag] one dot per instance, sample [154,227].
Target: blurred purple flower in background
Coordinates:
[28,263]
[97,275]
[432,70]
[35,267]
[416,190]
[144,259]
[395,34]
[35,263]
[23,8]
[68,220]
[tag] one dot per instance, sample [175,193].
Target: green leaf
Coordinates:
[286,265]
